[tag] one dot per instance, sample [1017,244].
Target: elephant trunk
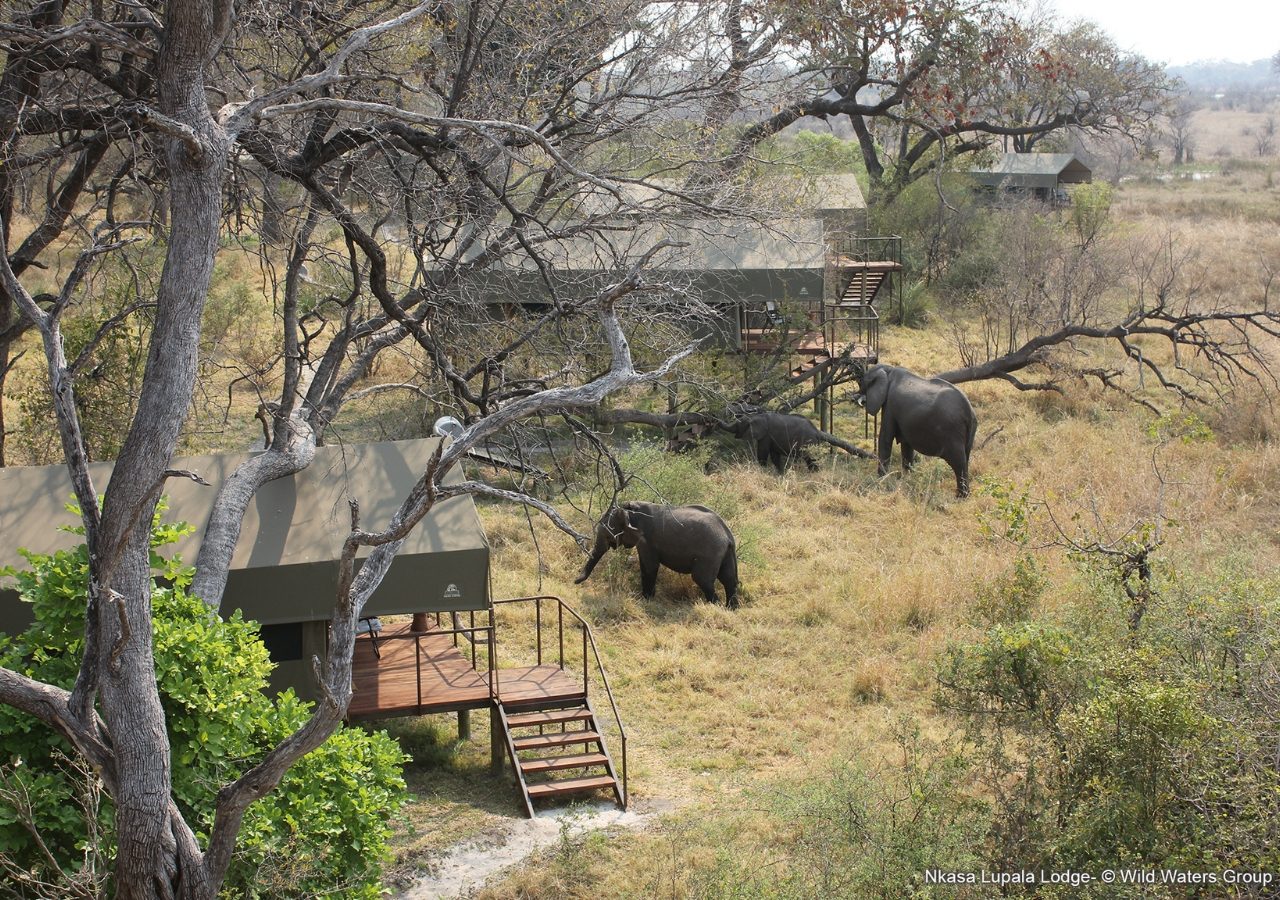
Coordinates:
[601,547]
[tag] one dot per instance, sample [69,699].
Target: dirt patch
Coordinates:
[463,869]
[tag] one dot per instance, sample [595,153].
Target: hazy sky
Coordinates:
[1180,31]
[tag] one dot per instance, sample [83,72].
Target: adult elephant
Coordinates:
[777,437]
[691,540]
[924,415]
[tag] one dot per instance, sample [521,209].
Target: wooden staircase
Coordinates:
[558,749]
[865,280]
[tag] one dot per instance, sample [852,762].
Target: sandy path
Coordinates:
[467,866]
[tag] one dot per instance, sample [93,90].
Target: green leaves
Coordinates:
[1107,747]
[324,829]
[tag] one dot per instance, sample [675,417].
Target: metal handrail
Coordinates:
[405,635]
[588,639]
[859,247]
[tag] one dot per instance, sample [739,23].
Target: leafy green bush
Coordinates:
[661,477]
[1012,595]
[1103,746]
[915,308]
[324,829]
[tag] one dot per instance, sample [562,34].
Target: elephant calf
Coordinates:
[925,415]
[777,437]
[691,540]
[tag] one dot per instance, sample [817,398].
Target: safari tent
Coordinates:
[284,575]
[284,569]
[744,270]
[1041,175]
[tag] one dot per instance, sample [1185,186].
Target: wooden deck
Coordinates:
[427,674]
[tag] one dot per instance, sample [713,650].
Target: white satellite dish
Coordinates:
[448,426]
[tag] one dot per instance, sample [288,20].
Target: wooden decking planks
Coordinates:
[389,685]
[525,684]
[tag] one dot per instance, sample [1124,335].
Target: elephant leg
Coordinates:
[763,448]
[810,463]
[729,578]
[778,457]
[908,455]
[884,448]
[705,578]
[648,575]
[649,582]
[959,463]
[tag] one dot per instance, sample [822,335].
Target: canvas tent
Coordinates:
[1038,173]
[729,265]
[284,569]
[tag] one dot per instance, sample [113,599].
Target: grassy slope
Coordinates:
[852,587]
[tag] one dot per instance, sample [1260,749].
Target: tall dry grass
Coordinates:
[855,584]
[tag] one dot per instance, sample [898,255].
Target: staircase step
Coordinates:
[556,763]
[558,739]
[570,786]
[548,717]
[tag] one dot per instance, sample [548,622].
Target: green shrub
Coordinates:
[1012,595]
[1021,675]
[915,309]
[324,829]
[1107,747]
[661,477]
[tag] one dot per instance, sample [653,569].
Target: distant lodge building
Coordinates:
[741,267]
[447,652]
[806,281]
[1038,175]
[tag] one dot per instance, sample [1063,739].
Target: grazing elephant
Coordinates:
[924,415]
[691,540]
[778,436]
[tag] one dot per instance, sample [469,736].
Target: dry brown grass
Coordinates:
[1225,133]
[857,584]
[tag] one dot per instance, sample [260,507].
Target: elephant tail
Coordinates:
[844,445]
[973,433]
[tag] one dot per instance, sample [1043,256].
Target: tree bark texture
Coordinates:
[154,846]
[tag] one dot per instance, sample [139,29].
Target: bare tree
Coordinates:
[1054,293]
[1180,135]
[924,85]
[441,143]
[1264,137]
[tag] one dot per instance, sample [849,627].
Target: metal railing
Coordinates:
[848,250]
[865,248]
[853,323]
[588,644]
[468,633]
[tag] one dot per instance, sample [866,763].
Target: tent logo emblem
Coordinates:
[452,592]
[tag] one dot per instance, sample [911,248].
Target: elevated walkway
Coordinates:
[843,328]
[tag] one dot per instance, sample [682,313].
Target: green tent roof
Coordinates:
[1033,170]
[284,568]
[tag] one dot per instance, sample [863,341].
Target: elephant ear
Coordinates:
[628,534]
[876,389]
